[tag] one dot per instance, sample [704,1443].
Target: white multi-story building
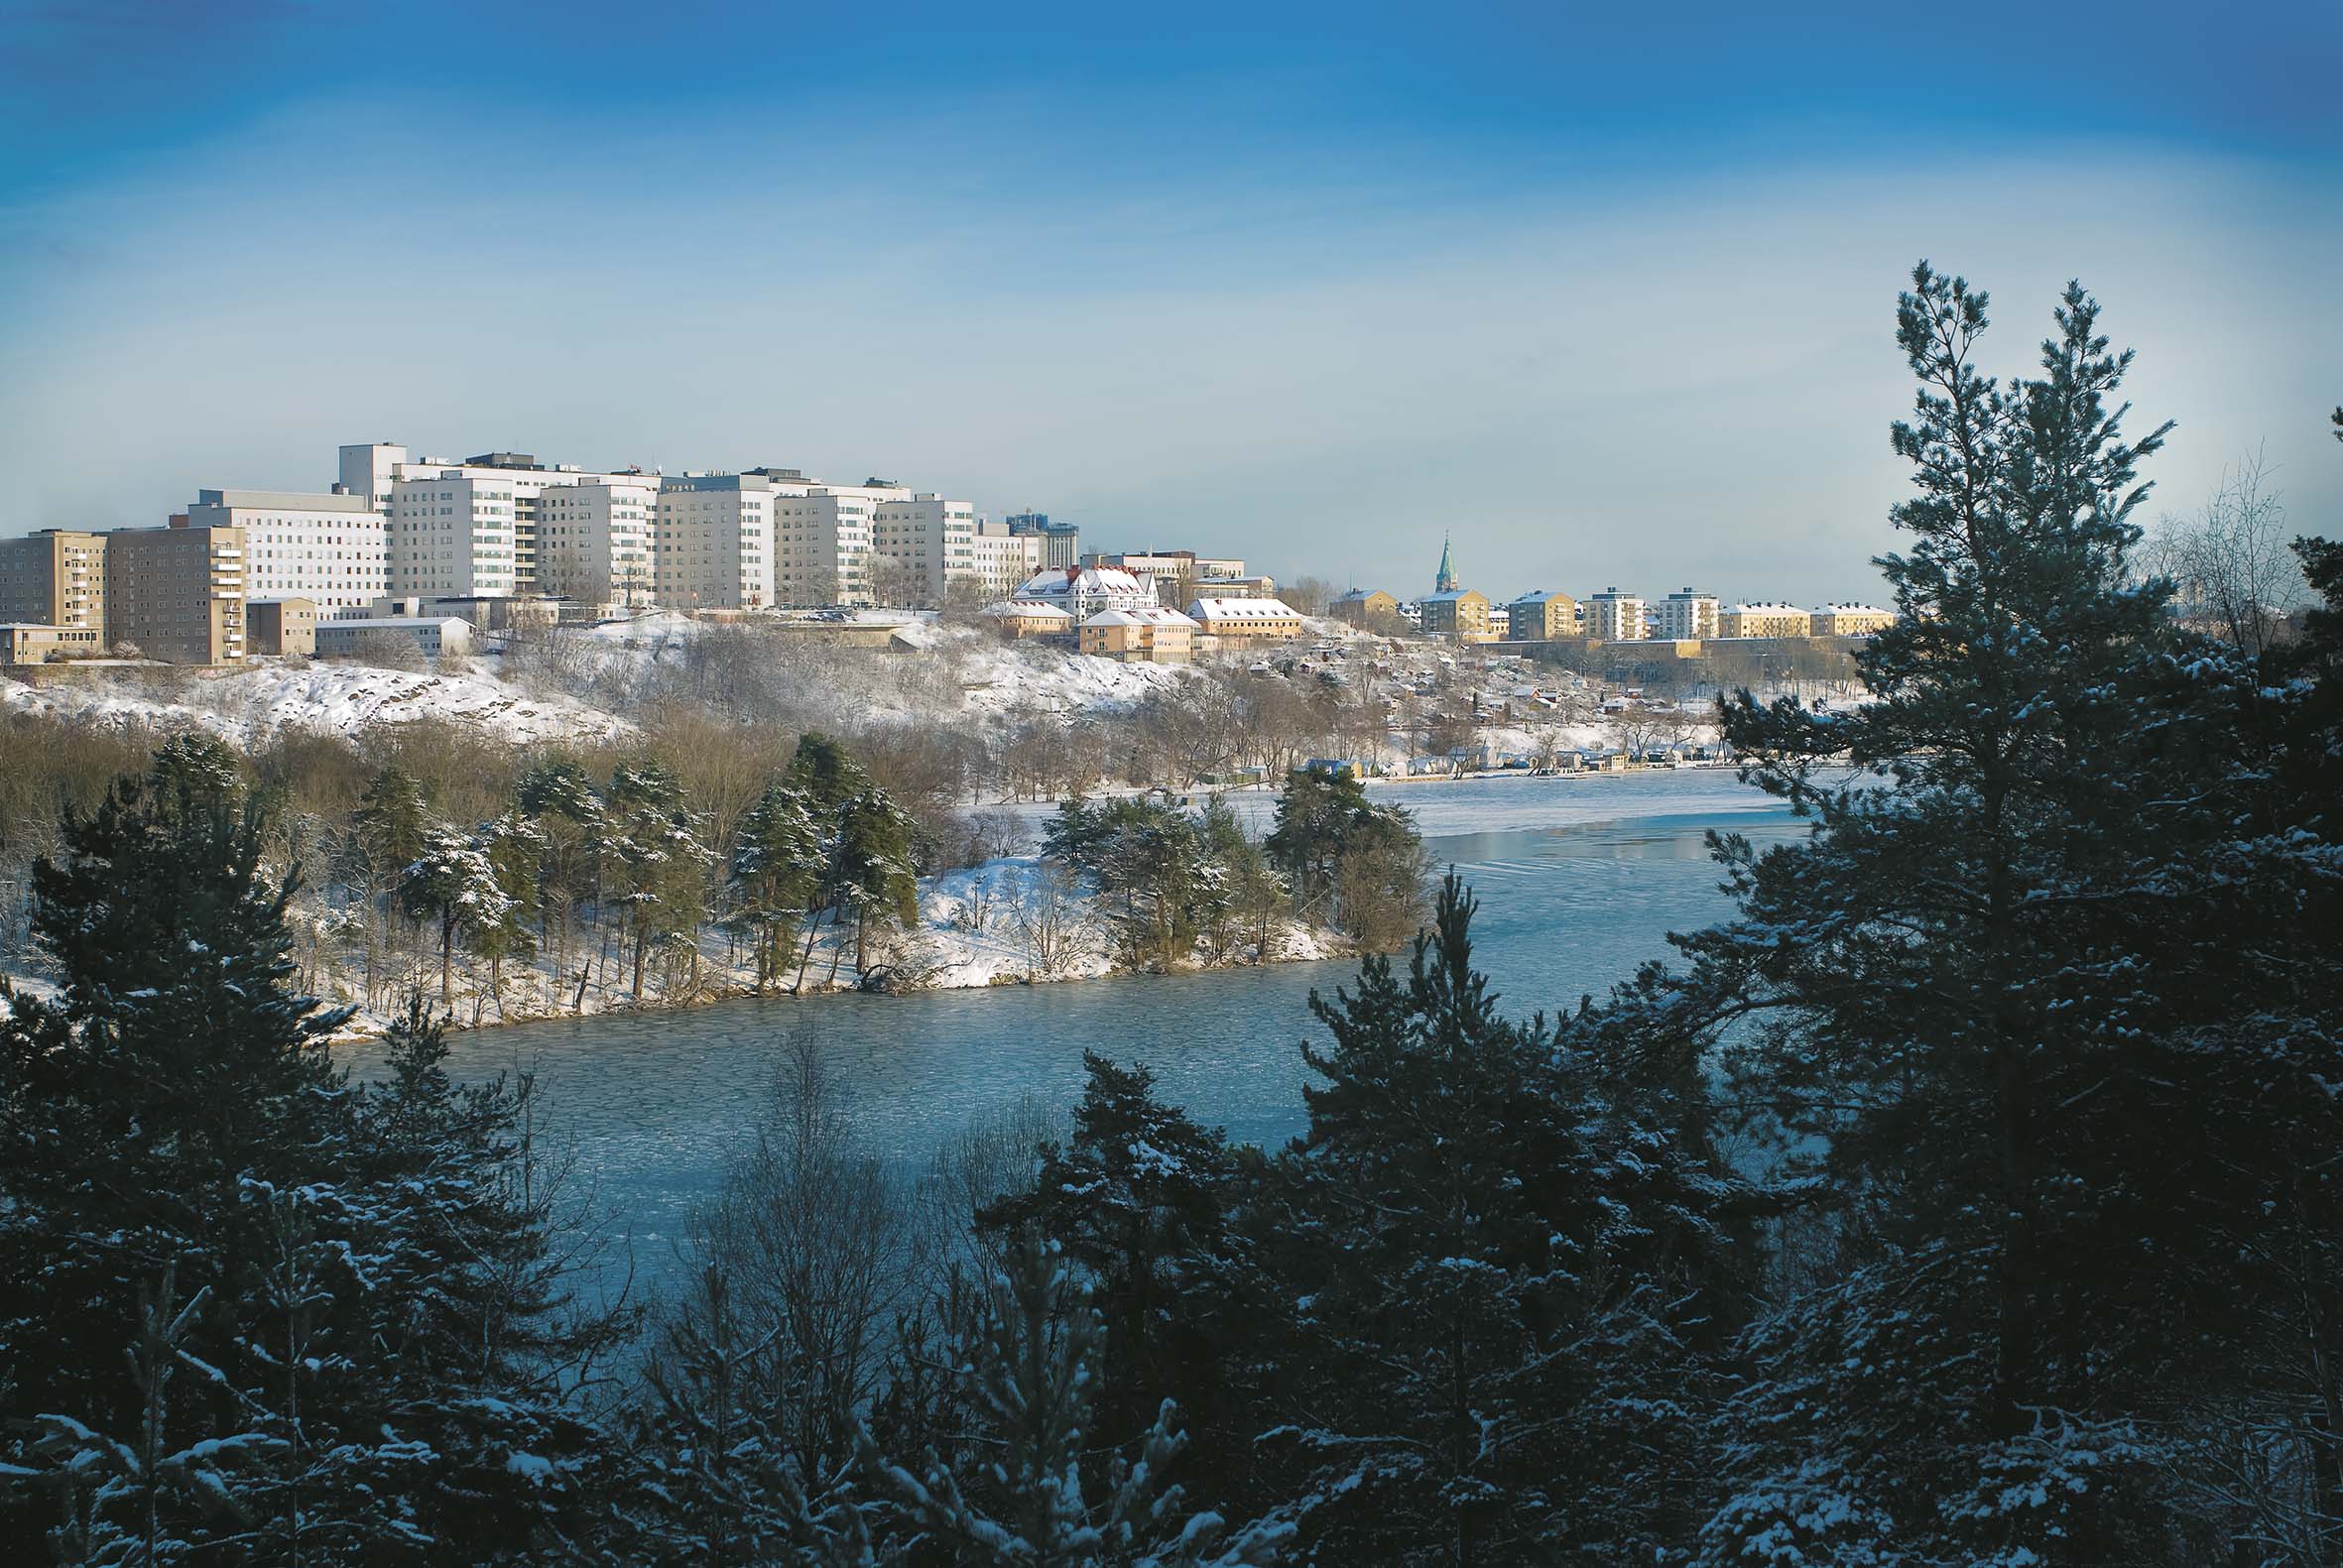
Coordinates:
[827,538]
[453,534]
[594,539]
[1684,614]
[1002,559]
[1615,617]
[428,551]
[367,470]
[326,549]
[930,536]
[716,544]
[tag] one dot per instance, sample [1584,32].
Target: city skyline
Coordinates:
[1312,297]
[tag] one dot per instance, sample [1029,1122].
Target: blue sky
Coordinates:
[1605,292]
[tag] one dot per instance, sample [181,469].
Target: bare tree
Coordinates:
[2234,576]
[895,583]
[810,1249]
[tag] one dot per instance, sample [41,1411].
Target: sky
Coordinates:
[1604,292]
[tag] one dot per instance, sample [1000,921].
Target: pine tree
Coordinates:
[656,861]
[1136,1199]
[777,868]
[1016,1493]
[1511,1278]
[1999,1002]
[175,1060]
[454,882]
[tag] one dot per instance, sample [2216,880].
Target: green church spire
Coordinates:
[1445,583]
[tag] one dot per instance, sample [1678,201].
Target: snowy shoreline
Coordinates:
[963,942]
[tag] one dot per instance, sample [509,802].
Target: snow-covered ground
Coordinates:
[337,697]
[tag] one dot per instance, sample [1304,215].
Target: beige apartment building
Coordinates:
[1151,636]
[1365,607]
[1461,613]
[55,577]
[1851,620]
[281,625]
[1764,620]
[1237,621]
[1545,617]
[177,593]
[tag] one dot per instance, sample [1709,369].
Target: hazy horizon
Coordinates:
[1607,304]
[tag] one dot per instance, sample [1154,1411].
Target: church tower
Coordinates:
[1445,583]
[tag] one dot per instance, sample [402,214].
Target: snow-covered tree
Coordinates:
[1014,1494]
[454,882]
[2043,1010]
[1507,1277]
[778,860]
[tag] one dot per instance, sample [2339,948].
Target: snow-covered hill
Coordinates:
[340,698]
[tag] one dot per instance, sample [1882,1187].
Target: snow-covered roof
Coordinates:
[1543,596]
[1768,609]
[1061,582]
[1357,595]
[1244,609]
[1028,608]
[1853,609]
[1450,595]
[394,622]
[1153,616]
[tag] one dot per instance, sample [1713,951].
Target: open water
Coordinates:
[1579,880]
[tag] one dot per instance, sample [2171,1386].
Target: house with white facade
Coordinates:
[1083,591]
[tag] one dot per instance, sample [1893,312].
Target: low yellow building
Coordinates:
[1851,620]
[1461,613]
[28,643]
[1026,618]
[1235,622]
[281,625]
[1140,637]
[1764,620]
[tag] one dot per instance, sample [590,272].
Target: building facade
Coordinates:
[1365,607]
[472,529]
[1615,617]
[714,541]
[1003,559]
[1235,622]
[930,536]
[177,593]
[1764,620]
[827,538]
[1461,613]
[281,625]
[39,643]
[1062,543]
[1083,591]
[1151,635]
[595,541]
[1684,614]
[328,549]
[1852,620]
[1544,617]
[431,635]
[55,577]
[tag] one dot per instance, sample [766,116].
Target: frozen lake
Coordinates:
[1579,880]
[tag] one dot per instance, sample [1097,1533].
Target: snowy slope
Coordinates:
[336,697]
